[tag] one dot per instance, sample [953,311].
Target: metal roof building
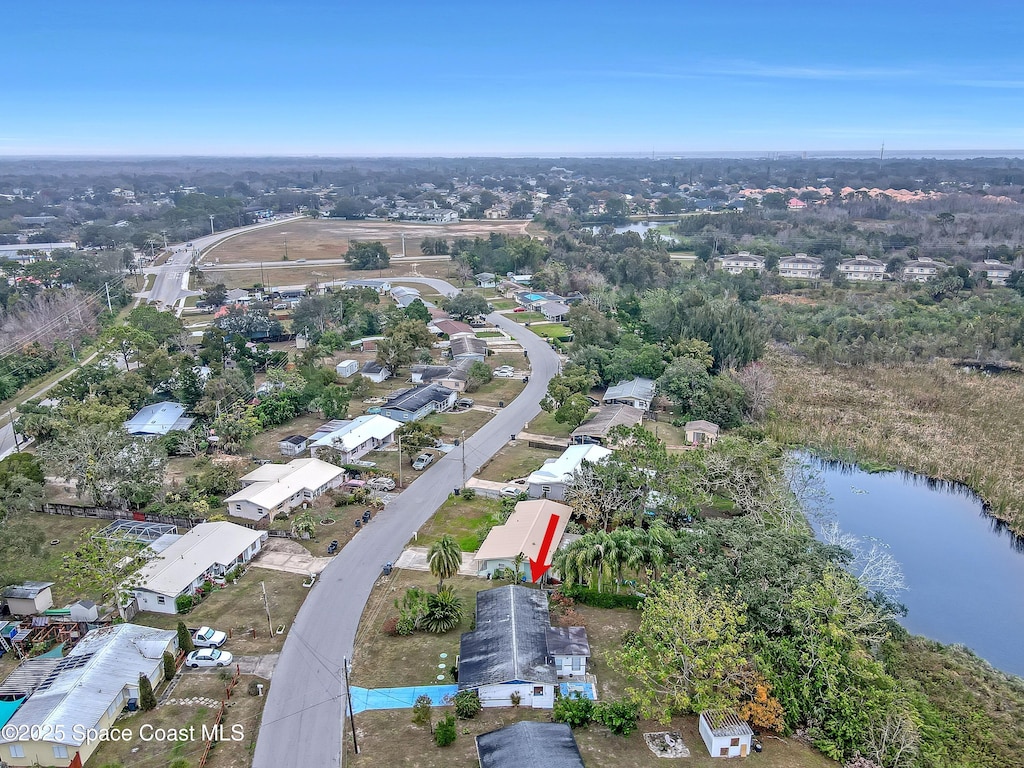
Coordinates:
[86,689]
[158,419]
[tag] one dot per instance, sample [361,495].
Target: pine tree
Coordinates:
[184,639]
[147,699]
[169,667]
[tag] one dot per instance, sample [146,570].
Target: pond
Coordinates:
[964,570]
[641,227]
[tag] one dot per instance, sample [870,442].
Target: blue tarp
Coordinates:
[584,689]
[7,710]
[364,699]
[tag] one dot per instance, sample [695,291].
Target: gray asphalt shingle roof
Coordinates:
[510,639]
[550,745]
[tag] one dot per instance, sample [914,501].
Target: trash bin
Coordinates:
[133,705]
[359,523]
[366,516]
[501,403]
[387,569]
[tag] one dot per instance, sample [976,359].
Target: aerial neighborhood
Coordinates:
[500,463]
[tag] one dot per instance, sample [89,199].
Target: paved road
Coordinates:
[302,719]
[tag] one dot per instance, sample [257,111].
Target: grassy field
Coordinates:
[498,391]
[243,712]
[527,317]
[933,419]
[544,424]
[264,445]
[460,517]
[515,460]
[453,422]
[47,566]
[550,330]
[329,238]
[238,609]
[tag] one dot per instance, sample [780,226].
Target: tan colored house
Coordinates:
[701,432]
[607,418]
[522,534]
[83,695]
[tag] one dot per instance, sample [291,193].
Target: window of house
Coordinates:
[59,750]
[577,662]
[538,690]
[238,506]
[160,599]
[17,750]
[735,742]
[723,752]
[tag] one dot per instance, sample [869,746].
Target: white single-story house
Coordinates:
[522,534]
[293,445]
[29,597]
[375,372]
[507,653]
[158,419]
[207,550]
[380,285]
[485,280]
[701,432]
[725,734]
[570,649]
[275,489]
[83,695]
[638,392]
[550,480]
[347,368]
[413,404]
[555,311]
[528,744]
[358,437]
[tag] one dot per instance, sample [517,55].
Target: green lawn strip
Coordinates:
[460,517]
[515,461]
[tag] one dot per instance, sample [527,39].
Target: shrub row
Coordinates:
[597,599]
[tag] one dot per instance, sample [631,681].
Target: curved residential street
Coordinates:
[302,720]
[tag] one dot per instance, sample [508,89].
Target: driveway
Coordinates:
[290,556]
[301,721]
[415,559]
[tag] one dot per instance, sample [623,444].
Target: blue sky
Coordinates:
[456,78]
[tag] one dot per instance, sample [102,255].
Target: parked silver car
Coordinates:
[208,657]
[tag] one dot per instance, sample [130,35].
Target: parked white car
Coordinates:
[505,374]
[380,484]
[511,492]
[422,461]
[208,637]
[208,657]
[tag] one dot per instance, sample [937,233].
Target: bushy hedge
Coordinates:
[602,599]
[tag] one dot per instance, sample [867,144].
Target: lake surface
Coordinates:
[964,571]
[641,227]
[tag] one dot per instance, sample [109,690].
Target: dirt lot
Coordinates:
[329,238]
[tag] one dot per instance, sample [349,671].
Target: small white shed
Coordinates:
[725,734]
[28,598]
[347,368]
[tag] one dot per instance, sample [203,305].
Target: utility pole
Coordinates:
[399,461]
[463,457]
[14,430]
[212,232]
[110,309]
[351,714]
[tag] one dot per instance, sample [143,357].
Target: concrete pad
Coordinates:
[260,666]
[415,559]
[289,556]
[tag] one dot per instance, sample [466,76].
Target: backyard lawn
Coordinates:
[551,330]
[544,424]
[238,609]
[241,720]
[264,445]
[514,461]
[527,317]
[462,518]
[64,530]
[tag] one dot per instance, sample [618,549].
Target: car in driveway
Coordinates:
[464,402]
[422,461]
[511,492]
[208,657]
[380,484]
[519,309]
[208,637]
[505,374]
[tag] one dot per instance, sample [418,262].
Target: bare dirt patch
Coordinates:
[329,238]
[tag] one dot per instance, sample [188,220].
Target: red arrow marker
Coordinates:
[538,567]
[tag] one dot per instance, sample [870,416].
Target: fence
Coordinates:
[215,731]
[104,513]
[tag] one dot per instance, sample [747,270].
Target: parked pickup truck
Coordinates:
[422,461]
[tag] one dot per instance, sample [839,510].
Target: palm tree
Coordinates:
[444,559]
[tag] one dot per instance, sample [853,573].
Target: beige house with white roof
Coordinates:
[83,694]
[208,550]
[522,534]
[274,489]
